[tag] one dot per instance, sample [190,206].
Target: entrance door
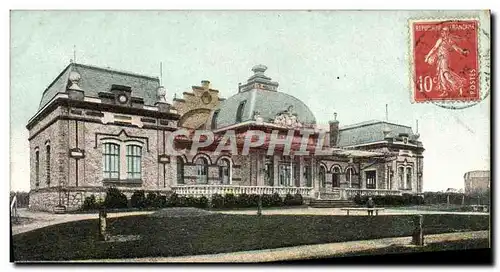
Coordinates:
[371,179]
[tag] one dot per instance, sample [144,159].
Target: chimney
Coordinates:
[334,131]
[205,84]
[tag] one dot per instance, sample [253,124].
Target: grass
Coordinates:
[437,207]
[220,233]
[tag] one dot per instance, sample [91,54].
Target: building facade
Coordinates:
[97,128]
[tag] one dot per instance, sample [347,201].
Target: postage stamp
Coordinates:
[445,60]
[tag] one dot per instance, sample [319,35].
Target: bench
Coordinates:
[362,209]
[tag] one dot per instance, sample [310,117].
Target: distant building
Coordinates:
[477,181]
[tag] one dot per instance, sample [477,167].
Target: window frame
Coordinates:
[48,157]
[111,156]
[133,157]
[201,170]
[336,171]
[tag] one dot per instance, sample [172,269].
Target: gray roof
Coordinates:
[371,131]
[96,79]
[267,103]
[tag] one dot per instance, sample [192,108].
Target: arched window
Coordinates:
[134,155]
[37,167]
[239,112]
[180,170]
[409,175]
[201,170]
[111,160]
[322,176]
[336,176]
[225,171]
[47,163]
[349,172]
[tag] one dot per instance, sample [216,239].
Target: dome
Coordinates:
[259,99]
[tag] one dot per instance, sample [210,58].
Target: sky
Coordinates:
[349,62]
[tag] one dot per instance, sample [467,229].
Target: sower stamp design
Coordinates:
[445,60]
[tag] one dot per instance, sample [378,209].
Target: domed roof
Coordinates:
[259,98]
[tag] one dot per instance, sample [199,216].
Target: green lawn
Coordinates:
[218,233]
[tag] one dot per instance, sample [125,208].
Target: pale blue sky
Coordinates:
[349,62]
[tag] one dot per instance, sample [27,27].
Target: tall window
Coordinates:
[201,170]
[37,167]
[180,170]
[322,176]
[239,112]
[224,171]
[111,160]
[285,172]
[296,172]
[214,119]
[47,164]
[401,175]
[308,173]
[348,175]
[371,179]
[134,154]
[336,176]
[409,174]
[269,168]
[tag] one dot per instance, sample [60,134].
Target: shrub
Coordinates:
[245,201]
[299,200]
[161,201]
[267,200]
[229,201]
[217,201]
[289,200]
[138,199]
[115,199]
[276,200]
[151,200]
[173,200]
[357,199]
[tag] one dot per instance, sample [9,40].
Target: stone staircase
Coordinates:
[332,203]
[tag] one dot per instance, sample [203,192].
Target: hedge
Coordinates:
[116,200]
[391,200]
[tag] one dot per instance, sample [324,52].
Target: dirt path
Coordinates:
[305,252]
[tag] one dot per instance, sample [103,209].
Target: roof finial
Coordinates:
[417,135]
[417,125]
[74,53]
[387,112]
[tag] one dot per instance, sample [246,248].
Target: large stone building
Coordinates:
[97,128]
[477,182]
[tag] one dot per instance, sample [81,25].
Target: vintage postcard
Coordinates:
[250,136]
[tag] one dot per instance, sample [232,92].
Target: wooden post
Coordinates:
[418,234]
[463,199]
[448,199]
[102,225]
[259,205]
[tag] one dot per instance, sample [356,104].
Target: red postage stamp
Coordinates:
[445,64]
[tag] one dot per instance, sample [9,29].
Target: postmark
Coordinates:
[445,60]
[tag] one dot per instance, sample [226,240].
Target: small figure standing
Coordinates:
[370,204]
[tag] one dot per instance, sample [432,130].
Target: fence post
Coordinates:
[418,234]
[102,225]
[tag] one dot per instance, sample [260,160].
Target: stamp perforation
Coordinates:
[480,63]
